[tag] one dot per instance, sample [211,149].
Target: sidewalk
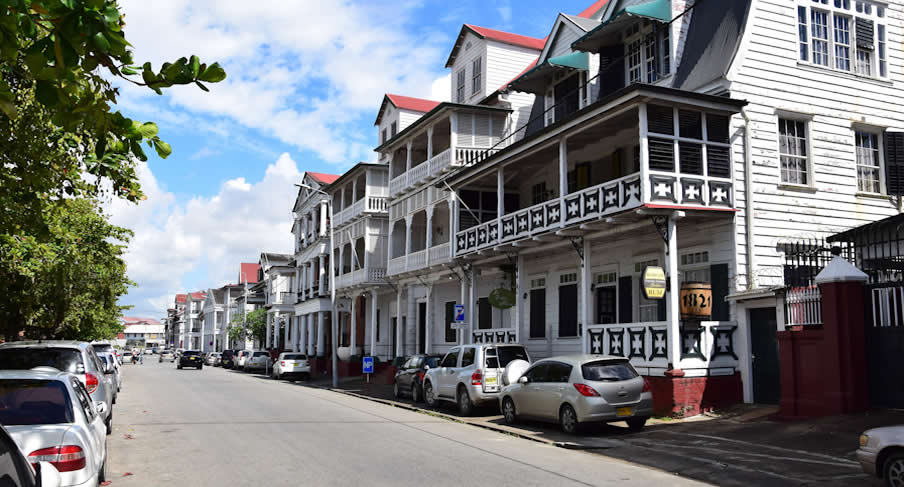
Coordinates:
[740,446]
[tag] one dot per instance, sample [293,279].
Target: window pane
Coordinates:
[842,42]
[819,32]
[792,142]
[27,402]
[867,151]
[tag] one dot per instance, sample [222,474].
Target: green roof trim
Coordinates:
[658,10]
[576,60]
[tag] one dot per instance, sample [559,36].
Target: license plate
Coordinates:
[622,412]
[491,380]
[297,364]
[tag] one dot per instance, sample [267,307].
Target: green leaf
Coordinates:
[70,4]
[112,16]
[46,93]
[195,66]
[163,149]
[101,42]
[128,70]
[201,86]
[213,74]
[148,130]
[8,108]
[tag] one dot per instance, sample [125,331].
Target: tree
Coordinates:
[252,325]
[67,51]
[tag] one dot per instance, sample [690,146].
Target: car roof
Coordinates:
[46,344]
[580,358]
[45,374]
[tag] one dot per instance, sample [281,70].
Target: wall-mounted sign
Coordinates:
[343,305]
[653,282]
[696,300]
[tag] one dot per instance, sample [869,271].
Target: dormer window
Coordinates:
[646,52]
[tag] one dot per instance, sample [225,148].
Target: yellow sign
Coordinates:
[653,282]
[696,300]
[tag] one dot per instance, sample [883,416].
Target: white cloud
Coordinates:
[306,73]
[173,240]
[505,12]
[441,89]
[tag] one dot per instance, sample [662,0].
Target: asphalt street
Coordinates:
[220,427]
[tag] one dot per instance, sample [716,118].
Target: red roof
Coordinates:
[593,8]
[180,298]
[508,37]
[250,270]
[322,178]
[131,320]
[199,295]
[402,102]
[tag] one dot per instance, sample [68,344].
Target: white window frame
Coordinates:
[641,65]
[461,76]
[880,155]
[476,75]
[876,59]
[808,147]
[684,266]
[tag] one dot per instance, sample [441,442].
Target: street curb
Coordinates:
[429,412]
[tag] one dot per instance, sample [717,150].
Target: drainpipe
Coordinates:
[748,202]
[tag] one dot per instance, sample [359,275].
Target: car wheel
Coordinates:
[465,406]
[396,393]
[414,394]
[109,424]
[179,366]
[893,470]
[568,419]
[636,424]
[429,397]
[508,411]
[200,367]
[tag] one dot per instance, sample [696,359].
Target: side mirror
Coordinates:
[46,475]
[426,368]
[523,380]
[100,407]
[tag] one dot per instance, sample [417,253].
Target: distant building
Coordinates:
[141,333]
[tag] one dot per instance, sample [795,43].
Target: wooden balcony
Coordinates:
[422,259]
[434,167]
[361,277]
[369,205]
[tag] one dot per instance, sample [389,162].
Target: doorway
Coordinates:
[422,327]
[393,339]
[764,356]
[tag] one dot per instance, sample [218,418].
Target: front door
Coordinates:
[421,328]
[764,349]
[395,336]
[605,305]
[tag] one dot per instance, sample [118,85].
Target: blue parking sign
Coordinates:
[368,365]
[460,313]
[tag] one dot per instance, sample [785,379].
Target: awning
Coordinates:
[538,79]
[609,32]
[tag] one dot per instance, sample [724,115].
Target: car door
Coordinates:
[405,374]
[446,375]
[551,392]
[527,395]
[96,428]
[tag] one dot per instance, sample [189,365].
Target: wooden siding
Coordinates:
[768,75]
[566,33]
[463,61]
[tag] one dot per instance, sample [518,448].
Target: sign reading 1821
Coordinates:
[653,282]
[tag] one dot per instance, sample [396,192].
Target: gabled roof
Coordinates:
[199,295]
[180,298]
[322,178]
[402,102]
[250,270]
[495,35]
[593,10]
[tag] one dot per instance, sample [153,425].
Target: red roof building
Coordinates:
[249,271]
[495,35]
[321,178]
[180,298]
[593,9]
[402,102]
[199,295]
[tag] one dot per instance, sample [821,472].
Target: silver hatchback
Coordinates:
[576,389]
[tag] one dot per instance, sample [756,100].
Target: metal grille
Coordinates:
[803,306]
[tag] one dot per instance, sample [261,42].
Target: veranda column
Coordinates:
[322,274]
[269,331]
[411,323]
[428,326]
[302,333]
[519,301]
[353,326]
[471,307]
[563,176]
[398,330]
[585,297]
[429,142]
[286,332]
[463,301]
[673,304]
[429,231]
[373,322]
[321,335]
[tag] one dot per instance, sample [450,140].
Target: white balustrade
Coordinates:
[418,174]
[439,254]
[398,184]
[439,163]
[417,260]
[396,266]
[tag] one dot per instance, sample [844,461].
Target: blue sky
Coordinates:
[305,80]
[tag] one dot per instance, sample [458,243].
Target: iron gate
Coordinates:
[885,344]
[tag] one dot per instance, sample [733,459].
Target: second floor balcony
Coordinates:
[367,205]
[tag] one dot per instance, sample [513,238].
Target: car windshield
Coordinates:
[260,354]
[294,356]
[190,353]
[102,347]
[63,359]
[433,362]
[499,357]
[31,401]
[608,370]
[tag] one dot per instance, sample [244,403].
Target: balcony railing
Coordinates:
[366,205]
[370,275]
[284,297]
[436,255]
[437,165]
[494,335]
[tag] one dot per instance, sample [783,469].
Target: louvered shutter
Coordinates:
[864,33]
[894,163]
[625,300]
[719,282]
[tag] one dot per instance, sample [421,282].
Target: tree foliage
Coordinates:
[252,325]
[67,51]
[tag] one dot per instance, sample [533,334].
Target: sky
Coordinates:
[305,81]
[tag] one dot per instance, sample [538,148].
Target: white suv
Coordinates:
[470,375]
[257,361]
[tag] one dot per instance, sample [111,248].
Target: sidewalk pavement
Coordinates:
[740,446]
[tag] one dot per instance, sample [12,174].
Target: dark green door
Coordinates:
[764,346]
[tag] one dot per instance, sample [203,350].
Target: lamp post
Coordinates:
[334,332]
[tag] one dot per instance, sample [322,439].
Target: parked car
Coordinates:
[291,366]
[227,358]
[166,356]
[73,357]
[576,389]
[471,375]
[409,378]
[211,358]
[20,471]
[881,454]
[113,371]
[257,361]
[190,358]
[241,358]
[127,357]
[52,418]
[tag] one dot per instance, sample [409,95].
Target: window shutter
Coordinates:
[894,163]
[865,33]
[612,69]
[719,282]
[625,300]
[660,309]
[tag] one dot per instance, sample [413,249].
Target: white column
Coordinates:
[302,333]
[453,129]
[373,322]
[399,334]
[429,142]
[324,231]
[286,333]
[500,192]
[408,159]
[294,335]
[411,322]
[408,234]
[429,229]
[353,326]
[322,270]
[269,330]
[471,308]
[519,292]
[321,335]
[673,305]
[585,297]
[428,326]
[563,177]
[464,301]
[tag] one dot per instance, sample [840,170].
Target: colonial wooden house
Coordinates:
[278,288]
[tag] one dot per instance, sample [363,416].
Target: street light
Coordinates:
[334,331]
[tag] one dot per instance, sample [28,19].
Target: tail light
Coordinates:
[476,378]
[420,375]
[646,385]
[91,383]
[68,458]
[282,363]
[586,390]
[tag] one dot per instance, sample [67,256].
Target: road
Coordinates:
[220,427]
